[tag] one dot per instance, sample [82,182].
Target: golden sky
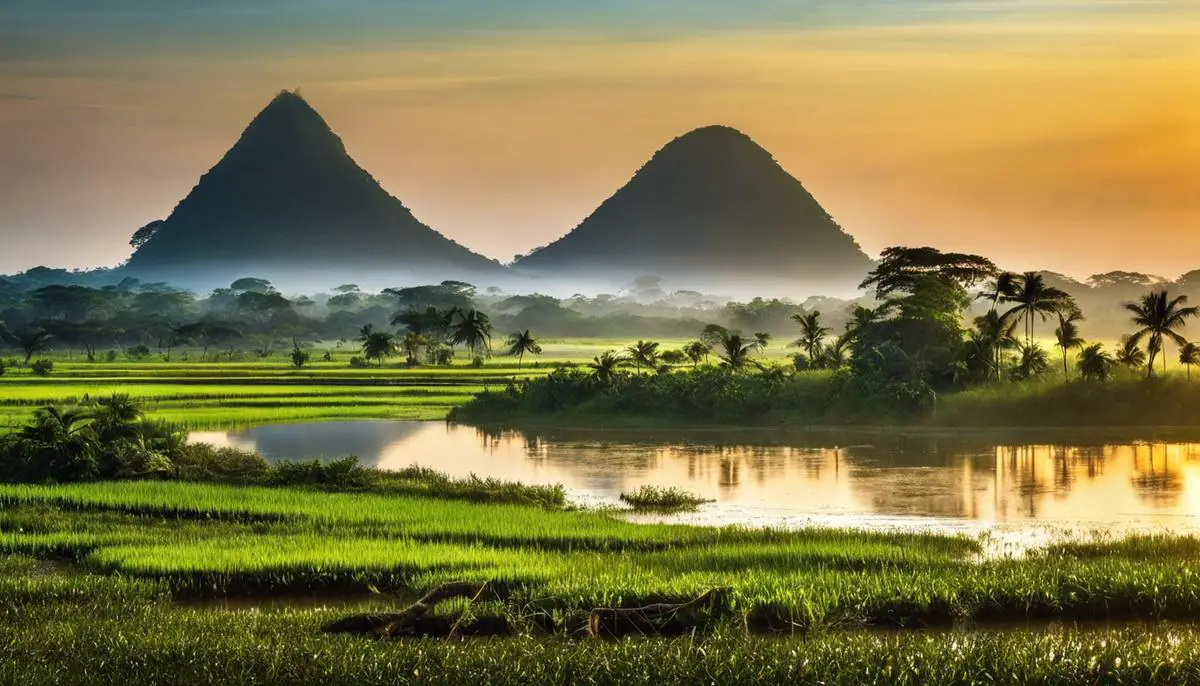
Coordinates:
[1061,135]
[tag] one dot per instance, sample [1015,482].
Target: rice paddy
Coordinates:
[96,579]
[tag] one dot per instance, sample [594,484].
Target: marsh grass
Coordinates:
[662,499]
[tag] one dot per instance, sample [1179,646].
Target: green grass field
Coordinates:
[101,582]
[222,394]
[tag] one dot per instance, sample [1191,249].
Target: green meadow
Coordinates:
[134,580]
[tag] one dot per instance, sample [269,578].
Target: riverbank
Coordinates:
[818,401]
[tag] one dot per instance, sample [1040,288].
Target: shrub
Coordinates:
[205,462]
[343,473]
[477,361]
[299,357]
[110,356]
[358,362]
[42,367]
[137,353]
[3,368]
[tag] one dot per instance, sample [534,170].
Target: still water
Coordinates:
[967,483]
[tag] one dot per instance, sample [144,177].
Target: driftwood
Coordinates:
[659,619]
[414,620]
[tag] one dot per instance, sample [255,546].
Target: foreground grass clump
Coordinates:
[662,499]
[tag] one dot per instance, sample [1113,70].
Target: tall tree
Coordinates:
[523,342]
[1030,297]
[993,333]
[376,345]
[1129,354]
[473,329]
[1159,317]
[1189,354]
[643,353]
[761,340]
[411,344]
[1067,336]
[697,352]
[1094,363]
[605,367]
[735,351]
[812,334]
[32,342]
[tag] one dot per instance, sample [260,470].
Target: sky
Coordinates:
[1047,134]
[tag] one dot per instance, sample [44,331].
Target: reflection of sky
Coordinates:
[950,483]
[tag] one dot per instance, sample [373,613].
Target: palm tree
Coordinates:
[605,367]
[1031,296]
[697,351]
[861,317]
[1000,287]
[1033,361]
[812,334]
[523,342]
[1159,316]
[1129,354]
[32,342]
[735,351]
[473,330]
[376,345]
[1067,336]
[643,353]
[993,335]
[1094,363]
[836,354]
[1189,354]
[60,441]
[761,340]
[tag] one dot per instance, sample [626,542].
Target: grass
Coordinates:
[97,630]
[120,553]
[662,499]
[205,540]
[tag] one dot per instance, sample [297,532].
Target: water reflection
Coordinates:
[783,479]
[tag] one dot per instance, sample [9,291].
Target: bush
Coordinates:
[137,353]
[110,356]
[3,368]
[42,367]
[205,462]
[344,473]
[477,361]
[358,362]
[299,357]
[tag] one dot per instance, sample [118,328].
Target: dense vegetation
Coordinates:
[902,360]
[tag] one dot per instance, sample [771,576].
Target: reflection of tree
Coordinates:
[1153,480]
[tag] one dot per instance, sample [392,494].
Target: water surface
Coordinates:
[971,482]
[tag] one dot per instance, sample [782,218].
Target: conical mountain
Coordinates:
[287,196]
[711,203]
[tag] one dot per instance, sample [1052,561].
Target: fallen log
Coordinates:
[659,619]
[413,620]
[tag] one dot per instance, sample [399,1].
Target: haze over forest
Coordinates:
[1055,135]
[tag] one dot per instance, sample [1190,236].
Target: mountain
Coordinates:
[710,205]
[288,199]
